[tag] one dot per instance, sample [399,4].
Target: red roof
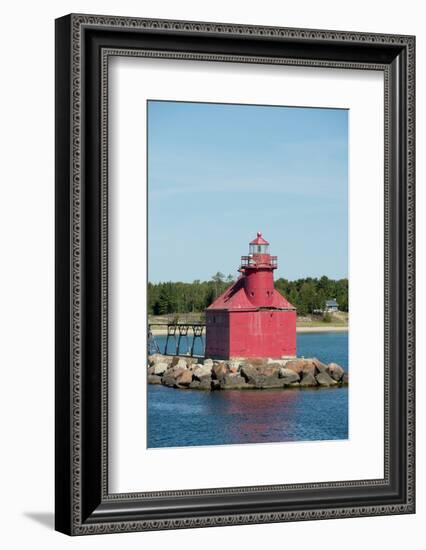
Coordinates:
[235,298]
[259,239]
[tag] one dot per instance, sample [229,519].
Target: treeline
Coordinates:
[306,295]
[310,294]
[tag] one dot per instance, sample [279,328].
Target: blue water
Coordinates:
[178,418]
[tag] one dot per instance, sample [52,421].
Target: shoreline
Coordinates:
[323,329]
[163,332]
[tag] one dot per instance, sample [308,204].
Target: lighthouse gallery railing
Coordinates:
[249,261]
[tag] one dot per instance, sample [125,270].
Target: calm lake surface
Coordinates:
[178,418]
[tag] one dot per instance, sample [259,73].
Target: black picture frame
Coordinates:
[83,504]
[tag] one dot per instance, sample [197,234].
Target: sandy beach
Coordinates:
[337,328]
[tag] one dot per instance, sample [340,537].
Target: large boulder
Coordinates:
[249,373]
[269,370]
[288,376]
[310,366]
[201,371]
[280,362]
[307,366]
[234,366]
[219,370]
[256,362]
[171,376]
[180,362]
[264,369]
[153,379]
[204,384]
[296,365]
[270,382]
[168,380]
[233,381]
[263,377]
[275,364]
[320,367]
[215,385]
[302,366]
[324,379]
[308,380]
[155,358]
[335,371]
[184,379]
[160,368]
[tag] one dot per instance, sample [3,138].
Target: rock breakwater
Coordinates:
[245,374]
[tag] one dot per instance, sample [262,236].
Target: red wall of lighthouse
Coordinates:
[262,333]
[269,333]
[259,286]
[217,334]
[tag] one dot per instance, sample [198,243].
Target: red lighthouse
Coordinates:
[251,318]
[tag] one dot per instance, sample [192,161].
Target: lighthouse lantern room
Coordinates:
[251,318]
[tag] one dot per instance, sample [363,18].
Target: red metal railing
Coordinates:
[249,261]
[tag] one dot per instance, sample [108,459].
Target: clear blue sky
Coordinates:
[219,173]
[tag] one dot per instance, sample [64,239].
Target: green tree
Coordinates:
[218,279]
[164,301]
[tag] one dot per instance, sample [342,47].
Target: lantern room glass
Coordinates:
[259,249]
